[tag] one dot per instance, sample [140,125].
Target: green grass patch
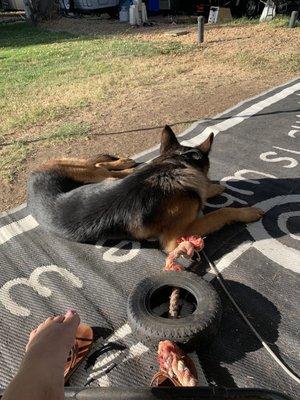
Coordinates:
[249,59]
[290,62]
[45,75]
[281,21]
[69,131]
[20,35]
[11,160]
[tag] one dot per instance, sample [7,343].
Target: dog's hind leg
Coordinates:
[84,171]
[112,163]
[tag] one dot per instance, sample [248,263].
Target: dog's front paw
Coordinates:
[214,189]
[250,214]
[219,189]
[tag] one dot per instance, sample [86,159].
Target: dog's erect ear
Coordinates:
[168,140]
[205,147]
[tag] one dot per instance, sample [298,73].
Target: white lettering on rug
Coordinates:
[282,223]
[272,248]
[288,150]
[292,132]
[238,176]
[292,163]
[33,282]
[112,255]
[265,157]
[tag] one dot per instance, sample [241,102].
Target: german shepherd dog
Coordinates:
[74,199]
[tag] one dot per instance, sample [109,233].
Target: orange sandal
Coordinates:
[81,347]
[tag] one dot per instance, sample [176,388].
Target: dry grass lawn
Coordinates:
[80,86]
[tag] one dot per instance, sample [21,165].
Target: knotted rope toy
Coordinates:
[186,248]
[172,360]
[174,363]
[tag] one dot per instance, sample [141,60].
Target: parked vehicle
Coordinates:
[252,8]
[248,8]
[12,5]
[101,6]
[110,7]
[239,8]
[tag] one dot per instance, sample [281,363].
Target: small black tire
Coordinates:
[194,330]
[113,12]
[253,8]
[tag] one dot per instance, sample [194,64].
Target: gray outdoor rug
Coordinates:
[256,156]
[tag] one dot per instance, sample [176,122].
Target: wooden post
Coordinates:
[200,31]
[38,10]
[29,13]
[293,19]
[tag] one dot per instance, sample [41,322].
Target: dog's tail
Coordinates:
[43,190]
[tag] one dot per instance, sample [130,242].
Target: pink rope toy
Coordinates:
[172,361]
[186,247]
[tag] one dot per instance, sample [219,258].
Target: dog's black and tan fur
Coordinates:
[162,199]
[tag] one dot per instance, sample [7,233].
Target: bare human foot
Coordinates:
[41,374]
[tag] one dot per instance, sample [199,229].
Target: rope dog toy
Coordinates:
[186,247]
[172,361]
